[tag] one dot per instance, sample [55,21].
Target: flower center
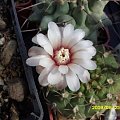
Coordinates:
[62,56]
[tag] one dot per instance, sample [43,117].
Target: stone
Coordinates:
[2,41]
[16,89]
[14,113]
[2,24]
[6,100]
[1,81]
[2,67]
[8,52]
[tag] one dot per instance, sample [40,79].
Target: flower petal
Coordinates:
[86,77]
[34,51]
[83,74]
[34,40]
[81,45]
[48,49]
[42,60]
[72,81]
[76,69]
[67,32]
[43,77]
[82,55]
[88,64]
[62,84]
[34,61]
[91,50]
[46,62]
[43,41]
[55,76]
[63,69]
[77,35]
[54,35]
[40,39]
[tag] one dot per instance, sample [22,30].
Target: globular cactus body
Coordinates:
[100,91]
[85,14]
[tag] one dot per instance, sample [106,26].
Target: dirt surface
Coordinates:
[14,101]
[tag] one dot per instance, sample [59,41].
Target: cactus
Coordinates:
[100,91]
[104,86]
[84,14]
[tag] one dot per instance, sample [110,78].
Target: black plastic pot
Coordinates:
[113,11]
[23,44]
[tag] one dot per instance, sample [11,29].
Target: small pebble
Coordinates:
[2,24]
[6,100]
[8,52]
[1,81]
[1,67]
[14,113]
[16,90]
[0,104]
[5,87]
[14,73]
[2,41]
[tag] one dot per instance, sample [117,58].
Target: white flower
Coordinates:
[64,55]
